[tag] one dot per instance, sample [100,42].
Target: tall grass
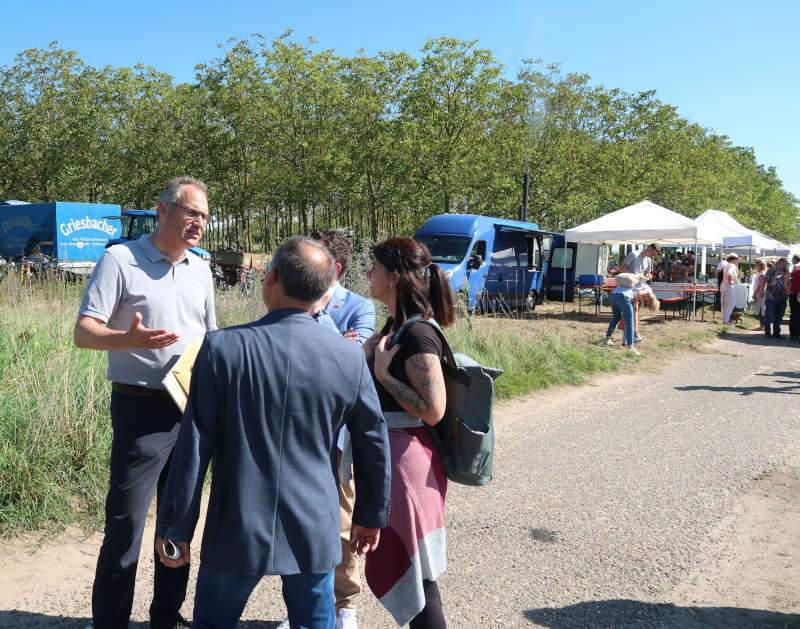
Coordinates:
[55,432]
[531,364]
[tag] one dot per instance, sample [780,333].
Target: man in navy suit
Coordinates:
[354,317]
[267,400]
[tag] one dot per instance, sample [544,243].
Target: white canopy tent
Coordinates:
[722,227]
[761,245]
[643,222]
[730,234]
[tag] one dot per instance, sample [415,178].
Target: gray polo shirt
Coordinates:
[638,263]
[136,277]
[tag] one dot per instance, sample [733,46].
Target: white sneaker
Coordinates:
[637,338]
[634,350]
[346,619]
[608,341]
[284,624]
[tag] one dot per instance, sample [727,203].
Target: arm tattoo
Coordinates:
[426,398]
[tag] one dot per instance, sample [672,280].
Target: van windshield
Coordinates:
[446,249]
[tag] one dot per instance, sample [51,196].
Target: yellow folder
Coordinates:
[178,378]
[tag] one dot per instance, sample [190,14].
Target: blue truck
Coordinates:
[500,263]
[74,235]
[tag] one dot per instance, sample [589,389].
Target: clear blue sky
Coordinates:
[732,66]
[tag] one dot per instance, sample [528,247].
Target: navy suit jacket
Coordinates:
[267,400]
[349,310]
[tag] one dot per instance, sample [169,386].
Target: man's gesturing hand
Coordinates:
[140,336]
[363,540]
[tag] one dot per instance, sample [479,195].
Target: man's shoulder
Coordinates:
[117,259]
[123,251]
[196,262]
[346,305]
[357,300]
[311,333]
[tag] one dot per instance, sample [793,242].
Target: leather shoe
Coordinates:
[180,623]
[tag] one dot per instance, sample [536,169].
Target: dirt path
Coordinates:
[570,538]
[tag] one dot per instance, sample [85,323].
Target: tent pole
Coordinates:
[694,284]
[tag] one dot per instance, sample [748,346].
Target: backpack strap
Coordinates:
[447,354]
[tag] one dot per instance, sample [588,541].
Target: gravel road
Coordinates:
[606,500]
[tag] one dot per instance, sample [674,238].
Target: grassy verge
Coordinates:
[534,363]
[55,432]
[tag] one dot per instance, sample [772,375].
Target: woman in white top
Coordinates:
[730,280]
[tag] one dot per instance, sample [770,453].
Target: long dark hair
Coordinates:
[423,288]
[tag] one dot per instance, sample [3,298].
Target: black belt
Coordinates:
[130,389]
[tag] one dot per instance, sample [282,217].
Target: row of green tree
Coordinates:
[291,137]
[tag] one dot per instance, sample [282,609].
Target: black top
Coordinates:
[418,338]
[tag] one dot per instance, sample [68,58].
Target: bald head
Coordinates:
[304,268]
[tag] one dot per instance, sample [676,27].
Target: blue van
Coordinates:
[500,263]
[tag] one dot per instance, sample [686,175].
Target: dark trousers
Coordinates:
[774,310]
[794,316]
[431,616]
[220,599]
[145,430]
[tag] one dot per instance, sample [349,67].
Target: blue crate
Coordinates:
[588,279]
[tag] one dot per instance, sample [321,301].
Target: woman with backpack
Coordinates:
[402,572]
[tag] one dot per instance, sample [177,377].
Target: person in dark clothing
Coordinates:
[794,305]
[777,282]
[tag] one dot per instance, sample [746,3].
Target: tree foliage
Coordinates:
[291,137]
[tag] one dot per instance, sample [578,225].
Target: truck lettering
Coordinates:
[74,225]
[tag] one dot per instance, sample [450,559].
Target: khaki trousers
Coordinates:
[347,580]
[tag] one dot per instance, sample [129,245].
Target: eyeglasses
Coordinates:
[192,214]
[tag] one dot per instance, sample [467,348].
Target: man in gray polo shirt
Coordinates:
[146,301]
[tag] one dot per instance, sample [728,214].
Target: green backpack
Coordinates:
[465,435]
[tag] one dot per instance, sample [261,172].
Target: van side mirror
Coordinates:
[475,261]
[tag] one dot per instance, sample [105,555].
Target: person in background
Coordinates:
[777,288]
[759,293]
[794,305]
[719,271]
[621,300]
[402,573]
[641,264]
[146,301]
[680,274]
[730,281]
[641,293]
